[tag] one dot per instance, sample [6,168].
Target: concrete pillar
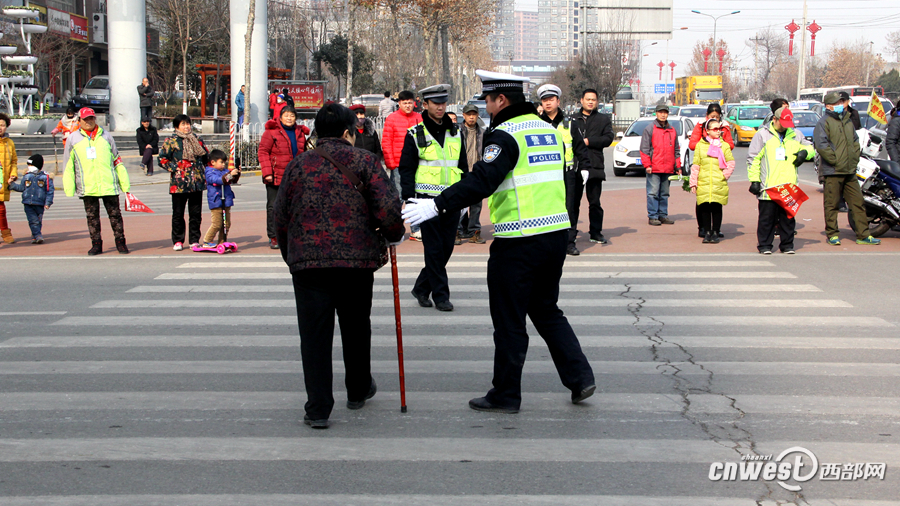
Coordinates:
[258,101]
[127,27]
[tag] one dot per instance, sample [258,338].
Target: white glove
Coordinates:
[419,210]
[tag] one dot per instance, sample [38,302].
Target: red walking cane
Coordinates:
[396,279]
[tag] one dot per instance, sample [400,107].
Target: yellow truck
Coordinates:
[691,90]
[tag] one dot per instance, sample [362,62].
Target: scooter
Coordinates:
[222,248]
[880,185]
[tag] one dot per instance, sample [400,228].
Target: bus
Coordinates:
[818,94]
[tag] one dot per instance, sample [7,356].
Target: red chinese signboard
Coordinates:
[79,28]
[306,96]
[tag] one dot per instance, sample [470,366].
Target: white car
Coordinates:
[627,153]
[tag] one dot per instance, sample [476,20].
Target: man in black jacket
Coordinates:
[591,133]
[892,142]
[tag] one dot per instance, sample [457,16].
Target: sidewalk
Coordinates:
[625,225]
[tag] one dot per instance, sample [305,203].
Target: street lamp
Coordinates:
[641,63]
[715,22]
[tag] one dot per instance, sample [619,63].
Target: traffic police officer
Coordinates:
[549,95]
[432,160]
[522,171]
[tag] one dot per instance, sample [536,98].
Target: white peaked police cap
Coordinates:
[548,90]
[438,93]
[492,82]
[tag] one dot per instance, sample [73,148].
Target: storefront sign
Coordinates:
[306,96]
[79,27]
[58,21]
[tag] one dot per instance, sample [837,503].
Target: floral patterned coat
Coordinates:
[186,175]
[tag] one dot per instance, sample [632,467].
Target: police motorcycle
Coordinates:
[880,185]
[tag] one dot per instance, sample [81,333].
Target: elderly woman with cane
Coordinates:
[334,212]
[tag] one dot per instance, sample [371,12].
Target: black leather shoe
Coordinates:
[721,235]
[701,232]
[360,404]
[315,424]
[583,394]
[444,306]
[482,404]
[572,251]
[599,239]
[422,300]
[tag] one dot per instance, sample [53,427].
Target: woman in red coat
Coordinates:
[282,141]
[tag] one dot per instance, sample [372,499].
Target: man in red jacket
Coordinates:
[661,156]
[392,138]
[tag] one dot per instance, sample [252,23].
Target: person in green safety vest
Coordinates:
[522,171]
[433,159]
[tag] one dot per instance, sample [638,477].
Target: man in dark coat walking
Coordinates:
[591,134]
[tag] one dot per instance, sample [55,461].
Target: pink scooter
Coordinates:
[222,248]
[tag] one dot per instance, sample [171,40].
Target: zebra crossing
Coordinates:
[182,385]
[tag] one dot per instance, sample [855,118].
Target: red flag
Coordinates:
[134,205]
[789,196]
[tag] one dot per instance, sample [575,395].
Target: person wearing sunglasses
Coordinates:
[713,165]
[713,111]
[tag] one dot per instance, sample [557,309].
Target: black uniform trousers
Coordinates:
[438,235]
[771,214]
[523,279]
[194,202]
[575,188]
[318,294]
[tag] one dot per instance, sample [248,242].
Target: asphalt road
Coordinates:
[177,381]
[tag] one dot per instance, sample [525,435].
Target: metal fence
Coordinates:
[246,144]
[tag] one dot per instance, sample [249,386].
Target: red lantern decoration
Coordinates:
[706,53]
[721,54]
[672,66]
[793,27]
[660,65]
[813,28]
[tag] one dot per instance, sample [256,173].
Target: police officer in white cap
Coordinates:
[433,159]
[549,95]
[522,171]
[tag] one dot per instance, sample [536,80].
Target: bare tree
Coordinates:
[893,44]
[56,53]
[770,51]
[248,39]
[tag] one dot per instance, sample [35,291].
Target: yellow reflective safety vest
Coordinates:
[438,166]
[563,128]
[532,198]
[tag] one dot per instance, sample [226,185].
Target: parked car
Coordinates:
[95,94]
[692,111]
[745,120]
[627,153]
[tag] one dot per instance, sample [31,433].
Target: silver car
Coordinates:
[95,94]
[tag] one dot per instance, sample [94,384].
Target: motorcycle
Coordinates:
[880,185]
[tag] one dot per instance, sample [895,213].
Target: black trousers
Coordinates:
[575,188]
[523,279]
[771,215]
[194,202]
[271,193]
[147,112]
[709,216]
[147,160]
[438,235]
[320,293]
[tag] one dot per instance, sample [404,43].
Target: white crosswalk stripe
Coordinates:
[191,378]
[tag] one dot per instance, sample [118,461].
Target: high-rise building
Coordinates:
[503,36]
[526,35]
[565,26]
[558,24]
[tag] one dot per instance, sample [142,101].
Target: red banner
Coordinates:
[133,205]
[789,196]
[306,96]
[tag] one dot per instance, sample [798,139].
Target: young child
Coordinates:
[219,196]
[37,195]
[713,165]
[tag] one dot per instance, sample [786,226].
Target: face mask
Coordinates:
[839,109]
[360,122]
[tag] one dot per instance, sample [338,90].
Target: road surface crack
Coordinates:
[692,378]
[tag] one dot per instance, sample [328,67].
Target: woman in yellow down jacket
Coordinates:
[8,162]
[713,165]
